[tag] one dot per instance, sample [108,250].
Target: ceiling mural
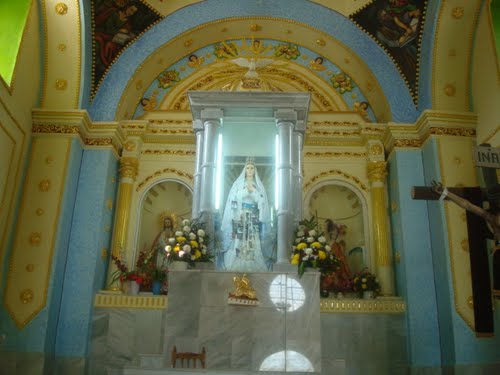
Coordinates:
[116,24]
[397,26]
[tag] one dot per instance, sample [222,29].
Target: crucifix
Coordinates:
[482,224]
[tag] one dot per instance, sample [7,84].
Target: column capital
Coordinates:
[285,115]
[208,114]
[129,167]
[377,171]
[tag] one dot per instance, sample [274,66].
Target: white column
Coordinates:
[200,135]
[211,121]
[285,120]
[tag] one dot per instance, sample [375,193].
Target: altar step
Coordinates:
[160,364]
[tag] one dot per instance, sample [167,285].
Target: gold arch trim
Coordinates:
[165,171]
[273,28]
[336,172]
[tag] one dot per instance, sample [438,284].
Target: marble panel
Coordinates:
[149,328]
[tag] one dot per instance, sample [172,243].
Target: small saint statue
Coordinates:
[243,293]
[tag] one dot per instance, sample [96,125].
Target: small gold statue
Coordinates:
[243,293]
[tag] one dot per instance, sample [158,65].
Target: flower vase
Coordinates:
[156,288]
[178,265]
[125,286]
[368,294]
[204,265]
[134,288]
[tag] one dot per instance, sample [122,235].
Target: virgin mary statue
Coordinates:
[245,223]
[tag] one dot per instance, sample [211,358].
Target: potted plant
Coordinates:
[158,277]
[366,283]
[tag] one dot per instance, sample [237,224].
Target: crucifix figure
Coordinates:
[482,224]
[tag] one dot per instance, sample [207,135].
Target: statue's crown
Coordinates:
[250,160]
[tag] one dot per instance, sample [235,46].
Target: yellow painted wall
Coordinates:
[16,104]
[486,81]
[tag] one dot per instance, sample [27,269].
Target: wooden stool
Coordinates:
[188,356]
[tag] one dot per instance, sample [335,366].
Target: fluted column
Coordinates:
[298,178]
[285,123]
[211,121]
[377,174]
[200,135]
[128,171]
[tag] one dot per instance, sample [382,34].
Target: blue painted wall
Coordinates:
[85,268]
[414,273]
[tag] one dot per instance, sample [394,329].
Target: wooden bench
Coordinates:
[189,357]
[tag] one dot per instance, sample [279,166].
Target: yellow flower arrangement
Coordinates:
[310,249]
[189,244]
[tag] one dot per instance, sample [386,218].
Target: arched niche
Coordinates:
[344,204]
[166,196]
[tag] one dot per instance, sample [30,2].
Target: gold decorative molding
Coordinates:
[129,167]
[164,171]
[333,172]
[333,123]
[376,149]
[98,141]
[364,306]
[56,129]
[119,300]
[169,152]
[130,146]
[330,154]
[459,132]
[377,171]
[381,305]
[410,143]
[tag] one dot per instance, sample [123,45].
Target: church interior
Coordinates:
[372,126]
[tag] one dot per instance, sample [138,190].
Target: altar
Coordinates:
[291,330]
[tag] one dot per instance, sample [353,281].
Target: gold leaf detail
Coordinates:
[26,296]
[130,146]
[44,185]
[450,89]
[61,8]
[39,211]
[35,238]
[255,27]
[321,42]
[30,267]
[188,43]
[61,84]
[457,12]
